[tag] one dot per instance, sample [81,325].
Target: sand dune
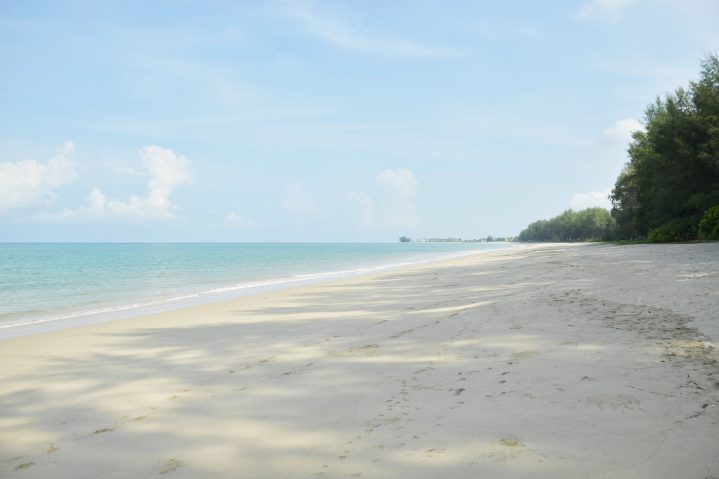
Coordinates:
[547,361]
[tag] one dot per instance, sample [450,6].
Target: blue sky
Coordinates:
[325,121]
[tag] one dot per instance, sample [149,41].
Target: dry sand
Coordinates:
[552,361]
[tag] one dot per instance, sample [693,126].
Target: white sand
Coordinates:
[545,362]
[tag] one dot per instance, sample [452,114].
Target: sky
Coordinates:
[302,120]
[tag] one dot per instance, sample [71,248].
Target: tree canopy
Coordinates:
[591,224]
[669,188]
[672,176]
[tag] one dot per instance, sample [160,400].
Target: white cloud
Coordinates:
[400,188]
[335,30]
[400,181]
[298,203]
[167,171]
[621,131]
[589,200]
[28,182]
[610,9]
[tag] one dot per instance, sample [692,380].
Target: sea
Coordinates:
[46,286]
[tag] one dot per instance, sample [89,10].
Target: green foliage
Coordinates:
[404,239]
[673,173]
[709,225]
[670,232]
[591,224]
[625,210]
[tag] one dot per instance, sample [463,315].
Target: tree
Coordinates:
[625,201]
[672,176]
[709,225]
[590,224]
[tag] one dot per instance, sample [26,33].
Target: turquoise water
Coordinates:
[52,282]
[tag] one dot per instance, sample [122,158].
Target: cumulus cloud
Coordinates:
[589,200]
[28,182]
[621,131]
[613,10]
[166,170]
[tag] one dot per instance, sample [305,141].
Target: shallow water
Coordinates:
[51,282]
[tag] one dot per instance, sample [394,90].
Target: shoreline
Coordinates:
[227,292]
[550,361]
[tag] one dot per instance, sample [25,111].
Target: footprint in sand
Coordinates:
[526,354]
[24,465]
[509,442]
[614,401]
[509,448]
[434,451]
[367,350]
[170,465]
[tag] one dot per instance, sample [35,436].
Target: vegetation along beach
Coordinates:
[306,239]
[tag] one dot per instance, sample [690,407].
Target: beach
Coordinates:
[543,361]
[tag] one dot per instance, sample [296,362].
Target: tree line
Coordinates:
[591,224]
[669,188]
